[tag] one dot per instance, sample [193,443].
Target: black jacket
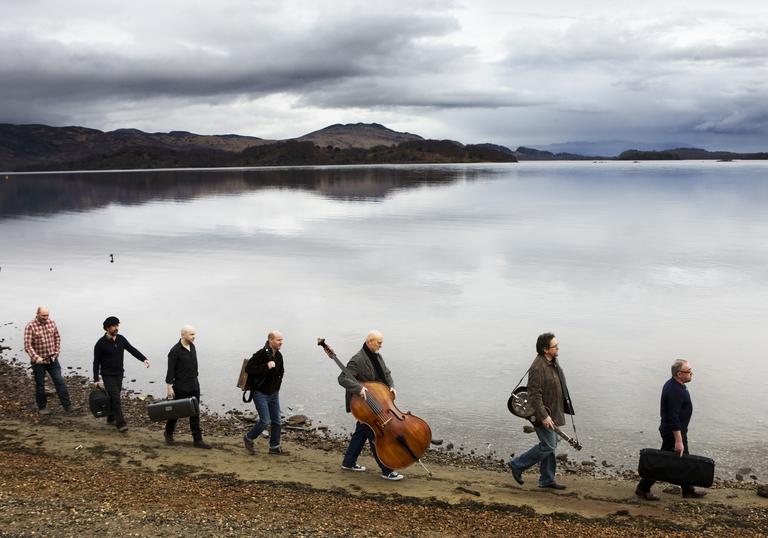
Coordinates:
[265,379]
[182,368]
[108,356]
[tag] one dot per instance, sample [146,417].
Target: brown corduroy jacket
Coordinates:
[547,389]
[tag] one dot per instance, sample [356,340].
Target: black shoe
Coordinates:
[277,451]
[71,410]
[44,411]
[553,485]
[517,475]
[122,429]
[694,494]
[199,443]
[169,440]
[110,420]
[646,495]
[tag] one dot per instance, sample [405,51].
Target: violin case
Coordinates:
[670,467]
[170,409]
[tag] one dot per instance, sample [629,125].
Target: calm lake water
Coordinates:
[631,265]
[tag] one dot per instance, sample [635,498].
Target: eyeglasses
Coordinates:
[554,347]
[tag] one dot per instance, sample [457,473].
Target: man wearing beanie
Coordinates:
[108,364]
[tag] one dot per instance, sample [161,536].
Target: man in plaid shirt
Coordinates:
[42,343]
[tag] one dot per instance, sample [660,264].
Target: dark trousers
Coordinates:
[54,370]
[668,445]
[194,421]
[113,384]
[357,442]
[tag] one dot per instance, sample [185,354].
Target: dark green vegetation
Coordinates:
[40,147]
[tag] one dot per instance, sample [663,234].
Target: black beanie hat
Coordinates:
[111,320]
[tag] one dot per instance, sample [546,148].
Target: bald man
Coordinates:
[42,343]
[181,381]
[366,365]
[266,370]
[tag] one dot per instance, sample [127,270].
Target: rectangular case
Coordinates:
[168,409]
[669,467]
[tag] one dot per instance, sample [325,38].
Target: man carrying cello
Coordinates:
[366,365]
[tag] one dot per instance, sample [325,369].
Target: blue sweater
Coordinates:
[676,408]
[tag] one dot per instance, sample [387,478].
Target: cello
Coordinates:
[400,439]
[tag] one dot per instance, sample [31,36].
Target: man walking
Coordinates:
[366,365]
[548,394]
[42,343]
[181,381]
[676,410]
[267,370]
[108,356]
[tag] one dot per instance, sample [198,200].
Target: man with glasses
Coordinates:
[676,411]
[548,394]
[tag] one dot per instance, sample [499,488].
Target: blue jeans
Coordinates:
[54,370]
[268,407]
[362,434]
[543,454]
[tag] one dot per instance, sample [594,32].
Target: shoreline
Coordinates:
[185,490]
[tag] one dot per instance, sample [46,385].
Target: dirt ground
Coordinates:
[73,475]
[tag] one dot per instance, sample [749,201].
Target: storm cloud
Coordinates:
[479,71]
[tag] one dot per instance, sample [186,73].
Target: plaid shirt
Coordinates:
[42,341]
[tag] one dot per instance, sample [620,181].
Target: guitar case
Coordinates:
[670,467]
[170,409]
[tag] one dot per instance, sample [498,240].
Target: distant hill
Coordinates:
[606,148]
[529,154]
[357,135]
[41,147]
[688,153]
[25,146]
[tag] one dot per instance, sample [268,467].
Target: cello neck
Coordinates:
[332,355]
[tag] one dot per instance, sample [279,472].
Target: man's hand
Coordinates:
[146,363]
[679,448]
[271,364]
[548,423]
[170,393]
[393,391]
[99,384]
[40,361]
[364,393]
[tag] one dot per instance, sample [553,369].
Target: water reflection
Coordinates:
[45,194]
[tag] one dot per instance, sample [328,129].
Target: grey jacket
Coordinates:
[362,368]
[547,388]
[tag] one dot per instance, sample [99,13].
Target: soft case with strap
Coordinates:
[670,467]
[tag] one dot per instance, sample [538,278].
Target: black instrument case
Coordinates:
[670,467]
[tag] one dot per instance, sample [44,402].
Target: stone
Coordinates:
[562,457]
[528,429]
[437,442]
[762,490]
[298,420]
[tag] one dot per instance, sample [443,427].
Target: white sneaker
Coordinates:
[356,467]
[394,475]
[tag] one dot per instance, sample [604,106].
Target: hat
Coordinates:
[111,320]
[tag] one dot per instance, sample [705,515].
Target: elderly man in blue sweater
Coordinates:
[676,411]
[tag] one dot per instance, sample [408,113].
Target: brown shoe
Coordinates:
[694,494]
[646,495]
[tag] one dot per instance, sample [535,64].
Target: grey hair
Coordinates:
[677,366]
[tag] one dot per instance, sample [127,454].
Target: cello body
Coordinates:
[400,438]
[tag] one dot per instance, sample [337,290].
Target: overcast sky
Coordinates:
[506,71]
